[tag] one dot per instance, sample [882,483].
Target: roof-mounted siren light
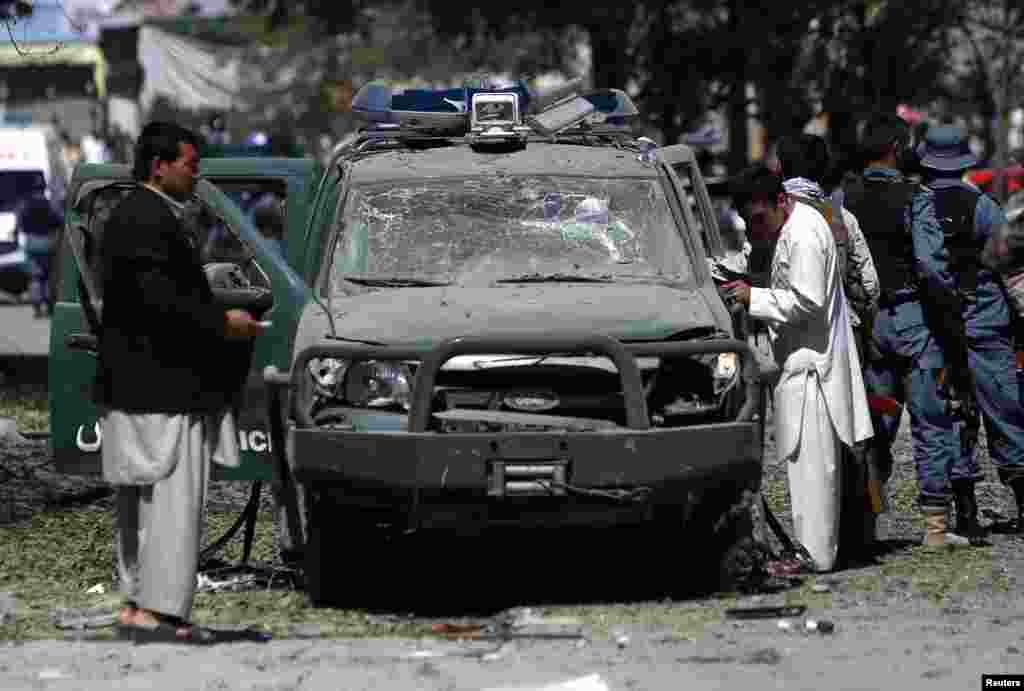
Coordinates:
[612,107]
[425,111]
[496,117]
[603,108]
[372,103]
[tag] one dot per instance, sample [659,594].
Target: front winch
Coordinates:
[519,479]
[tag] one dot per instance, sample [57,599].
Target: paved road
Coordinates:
[21,334]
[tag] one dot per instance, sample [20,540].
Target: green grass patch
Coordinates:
[776,493]
[678,620]
[951,570]
[28,406]
[50,561]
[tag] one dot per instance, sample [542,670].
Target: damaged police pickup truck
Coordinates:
[508,323]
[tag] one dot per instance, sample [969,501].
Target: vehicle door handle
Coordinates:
[83,341]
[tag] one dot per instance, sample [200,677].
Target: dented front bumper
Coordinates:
[415,464]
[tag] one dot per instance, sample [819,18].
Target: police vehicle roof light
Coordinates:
[474,111]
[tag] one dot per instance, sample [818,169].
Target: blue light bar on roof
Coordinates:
[442,110]
[614,104]
[446,111]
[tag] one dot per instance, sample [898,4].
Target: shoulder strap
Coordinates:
[955,208]
[838,198]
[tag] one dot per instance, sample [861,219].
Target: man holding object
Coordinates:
[162,383]
[819,398]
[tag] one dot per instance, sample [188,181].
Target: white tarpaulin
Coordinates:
[191,73]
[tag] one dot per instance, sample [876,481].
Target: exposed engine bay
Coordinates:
[528,393]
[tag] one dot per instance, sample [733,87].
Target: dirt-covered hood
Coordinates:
[427,316]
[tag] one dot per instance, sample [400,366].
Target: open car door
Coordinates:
[681,160]
[245,270]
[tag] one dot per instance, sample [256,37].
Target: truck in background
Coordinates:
[27,153]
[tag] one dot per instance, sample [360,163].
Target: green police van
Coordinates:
[229,238]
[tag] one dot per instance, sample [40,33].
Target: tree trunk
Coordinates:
[608,44]
[1005,103]
[739,144]
[670,131]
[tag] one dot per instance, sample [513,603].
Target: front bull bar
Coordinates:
[433,359]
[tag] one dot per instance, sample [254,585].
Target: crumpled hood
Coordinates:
[427,316]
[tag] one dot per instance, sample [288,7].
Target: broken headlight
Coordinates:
[364,384]
[724,371]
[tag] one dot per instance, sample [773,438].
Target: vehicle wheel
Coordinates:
[319,568]
[289,539]
[340,559]
[726,555]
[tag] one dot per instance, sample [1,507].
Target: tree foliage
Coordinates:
[778,61]
[15,9]
[991,69]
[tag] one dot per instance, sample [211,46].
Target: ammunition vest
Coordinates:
[880,208]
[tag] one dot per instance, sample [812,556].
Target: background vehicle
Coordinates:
[247,269]
[27,154]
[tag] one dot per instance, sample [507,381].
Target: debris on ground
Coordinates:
[458,630]
[503,651]
[819,626]
[765,612]
[485,652]
[593,682]
[244,578]
[9,431]
[305,630]
[787,567]
[525,622]
[98,589]
[88,618]
[8,608]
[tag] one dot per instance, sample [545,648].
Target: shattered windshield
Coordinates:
[496,229]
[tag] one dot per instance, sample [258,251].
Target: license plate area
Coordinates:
[520,478]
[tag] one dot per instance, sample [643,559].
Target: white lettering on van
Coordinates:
[89,446]
[258,441]
[254,440]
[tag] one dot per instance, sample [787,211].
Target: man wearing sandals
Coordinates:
[161,383]
[820,402]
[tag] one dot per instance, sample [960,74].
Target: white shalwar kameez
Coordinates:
[819,399]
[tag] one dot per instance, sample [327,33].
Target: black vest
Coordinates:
[954,207]
[880,207]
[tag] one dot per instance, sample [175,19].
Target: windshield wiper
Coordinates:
[556,278]
[395,282]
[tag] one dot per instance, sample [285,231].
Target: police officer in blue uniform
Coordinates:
[968,219]
[902,359]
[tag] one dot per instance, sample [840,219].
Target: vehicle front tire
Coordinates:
[725,554]
[342,559]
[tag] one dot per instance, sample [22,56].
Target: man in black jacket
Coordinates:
[166,385]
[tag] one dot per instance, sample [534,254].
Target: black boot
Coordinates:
[967,512]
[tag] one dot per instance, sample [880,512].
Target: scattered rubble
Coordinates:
[8,608]
[588,683]
[9,432]
[88,618]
